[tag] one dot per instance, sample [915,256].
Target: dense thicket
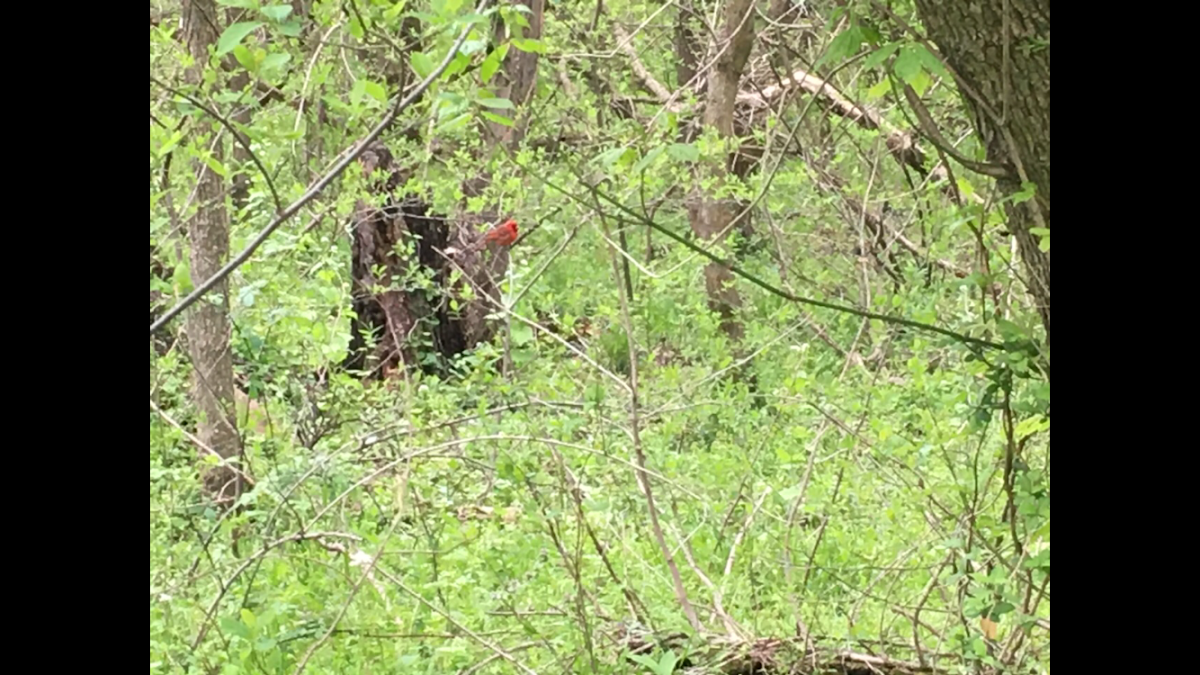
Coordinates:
[761,386]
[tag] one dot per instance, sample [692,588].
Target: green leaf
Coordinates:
[245,58]
[247,295]
[492,63]
[880,55]
[843,45]
[501,103]
[879,89]
[512,18]
[217,167]
[498,119]
[453,106]
[182,277]
[932,63]
[1010,331]
[1043,235]
[649,158]
[455,123]
[275,61]
[457,65]
[422,64]
[1026,193]
[1000,609]
[608,158]
[170,143]
[921,82]
[1031,425]
[871,35]
[264,644]
[368,93]
[529,45]
[521,334]
[789,493]
[395,10]
[666,664]
[277,13]
[645,661]
[684,152]
[235,627]
[472,46]
[234,35]
[375,90]
[292,28]
[908,64]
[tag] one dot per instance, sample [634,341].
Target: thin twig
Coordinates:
[639,218]
[201,444]
[210,283]
[640,455]
[237,136]
[929,128]
[500,653]
[366,573]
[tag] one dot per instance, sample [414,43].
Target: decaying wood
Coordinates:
[899,142]
[395,238]
[762,656]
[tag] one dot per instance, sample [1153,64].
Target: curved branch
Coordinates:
[972,343]
[237,136]
[208,284]
[647,78]
[929,128]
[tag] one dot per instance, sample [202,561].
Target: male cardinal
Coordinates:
[503,234]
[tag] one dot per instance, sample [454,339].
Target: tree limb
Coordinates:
[317,187]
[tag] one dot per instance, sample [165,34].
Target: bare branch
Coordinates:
[643,74]
[317,187]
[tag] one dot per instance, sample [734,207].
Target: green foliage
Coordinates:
[664,665]
[233,35]
[827,468]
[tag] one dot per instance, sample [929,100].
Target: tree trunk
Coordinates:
[396,329]
[1004,65]
[517,80]
[710,216]
[685,44]
[207,325]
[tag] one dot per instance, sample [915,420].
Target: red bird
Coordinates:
[503,234]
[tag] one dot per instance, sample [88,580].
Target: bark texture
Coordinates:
[1001,51]
[395,239]
[517,80]
[401,322]
[685,44]
[207,325]
[711,216]
[398,324]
